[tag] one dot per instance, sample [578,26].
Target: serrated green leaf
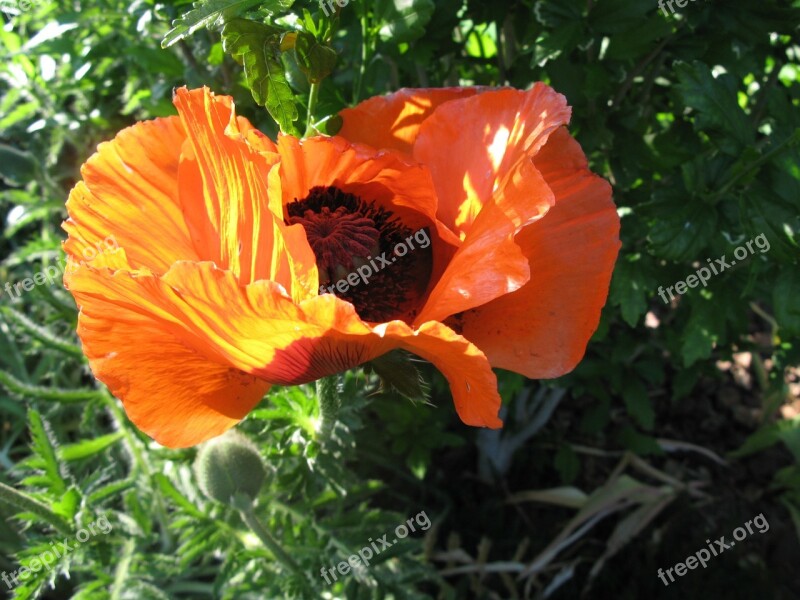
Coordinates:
[68,504]
[318,30]
[43,446]
[208,13]
[315,60]
[169,490]
[628,290]
[681,235]
[257,47]
[715,101]
[778,219]
[112,489]
[88,448]
[553,43]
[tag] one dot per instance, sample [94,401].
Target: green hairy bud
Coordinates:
[230,466]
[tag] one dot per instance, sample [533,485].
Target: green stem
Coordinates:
[313,94]
[46,393]
[362,69]
[122,571]
[769,319]
[329,403]
[246,510]
[24,502]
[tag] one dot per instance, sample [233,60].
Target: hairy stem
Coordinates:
[248,514]
[23,501]
[329,403]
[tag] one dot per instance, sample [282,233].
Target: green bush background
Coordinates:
[680,424]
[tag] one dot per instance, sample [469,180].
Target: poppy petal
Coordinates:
[130,186]
[490,264]
[334,339]
[198,310]
[472,144]
[488,188]
[169,390]
[224,192]
[393,121]
[466,368]
[541,330]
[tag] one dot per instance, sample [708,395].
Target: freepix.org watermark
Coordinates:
[703,274]
[330,9]
[355,561]
[369,268]
[58,550]
[669,3]
[702,557]
[48,274]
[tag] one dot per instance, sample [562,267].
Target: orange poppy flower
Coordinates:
[243,263]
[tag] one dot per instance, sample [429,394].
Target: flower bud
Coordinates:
[229,467]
